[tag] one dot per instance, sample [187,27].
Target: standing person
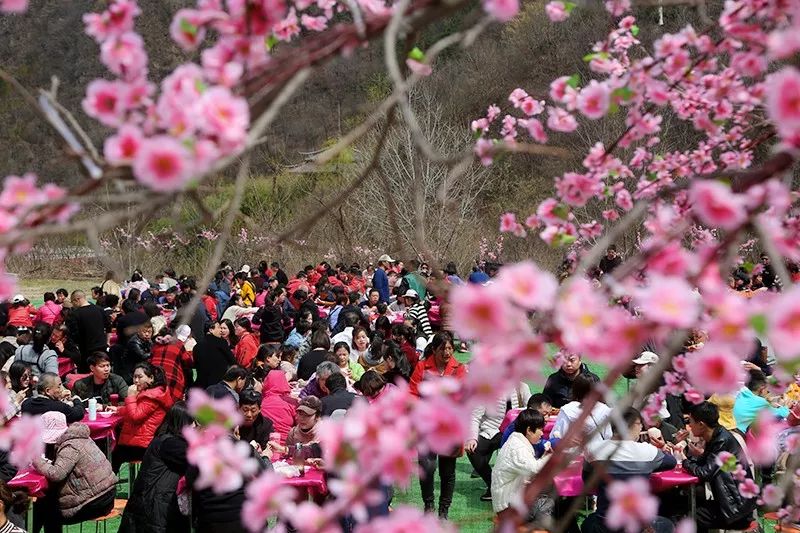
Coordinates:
[441,363]
[49,311]
[153,504]
[212,357]
[170,354]
[380,280]
[87,324]
[271,317]
[559,383]
[21,312]
[145,408]
[621,459]
[80,475]
[247,347]
[38,354]
[101,383]
[729,509]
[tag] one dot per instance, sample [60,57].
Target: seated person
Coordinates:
[538,402]
[559,384]
[145,408]
[101,383]
[515,465]
[729,509]
[81,480]
[752,399]
[620,459]
[581,386]
[13,504]
[255,427]
[277,404]
[53,396]
[232,384]
[303,436]
[338,396]
[316,385]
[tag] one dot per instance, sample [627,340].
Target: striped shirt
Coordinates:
[418,315]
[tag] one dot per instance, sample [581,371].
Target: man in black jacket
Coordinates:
[559,384]
[53,397]
[232,384]
[729,509]
[212,357]
[255,427]
[338,396]
[87,325]
[320,345]
[101,383]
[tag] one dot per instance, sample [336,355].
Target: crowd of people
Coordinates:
[291,351]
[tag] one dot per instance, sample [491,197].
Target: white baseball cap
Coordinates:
[411,293]
[18,299]
[646,358]
[385,257]
[183,332]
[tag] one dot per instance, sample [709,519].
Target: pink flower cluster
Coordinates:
[23,439]
[167,139]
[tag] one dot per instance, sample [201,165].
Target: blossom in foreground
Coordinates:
[762,439]
[783,103]
[480,312]
[23,439]
[266,496]
[556,11]
[716,205]
[783,324]
[594,100]
[502,10]
[669,301]
[714,369]
[632,506]
[528,286]
[163,164]
[406,519]
[13,6]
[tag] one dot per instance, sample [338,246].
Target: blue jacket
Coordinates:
[380,282]
[538,448]
[748,405]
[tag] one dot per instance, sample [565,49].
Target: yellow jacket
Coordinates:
[248,293]
[724,403]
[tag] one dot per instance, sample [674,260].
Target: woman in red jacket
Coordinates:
[247,347]
[145,408]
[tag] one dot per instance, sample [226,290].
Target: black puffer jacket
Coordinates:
[732,505]
[136,351]
[153,505]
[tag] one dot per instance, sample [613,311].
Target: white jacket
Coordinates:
[570,412]
[515,465]
[487,424]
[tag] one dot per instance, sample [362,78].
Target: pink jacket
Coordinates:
[277,405]
[47,313]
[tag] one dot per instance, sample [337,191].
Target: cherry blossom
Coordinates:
[266,497]
[783,324]
[121,148]
[632,506]
[669,301]
[594,100]
[715,205]
[715,369]
[556,11]
[783,103]
[502,10]
[527,286]
[23,439]
[13,6]
[162,164]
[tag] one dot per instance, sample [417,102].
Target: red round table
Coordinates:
[569,482]
[313,481]
[103,428]
[31,481]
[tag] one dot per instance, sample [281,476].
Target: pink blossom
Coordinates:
[772,496]
[223,463]
[783,101]
[783,44]
[501,10]
[594,100]
[556,11]
[480,312]
[762,438]
[508,221]
[20,192]
[187,28]
[749,489]
[783,324]
[162,164]
[686,525]
[484,149]
[561,120]
[418,68]
[528,286]
[314,23]
[13,6]
[266,496]
[618,7]
[23,439]
[535,129]
[532,107]
[121,149]
[405,519]
[632,506]
[125,56]
[105,101]
[207,410]
[669,301]
[716,205]
[715,369]
[225,117]
[623,200]
[287,28]
[576,189]
[442,424]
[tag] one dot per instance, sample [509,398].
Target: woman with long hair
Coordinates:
[37,354]
[351,370]
[145,408]
[247,347]
[227,332]
[153,503]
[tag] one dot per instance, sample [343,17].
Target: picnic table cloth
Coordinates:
[65,366]
[570,483]
[103,427]
[31,481]
[313,481]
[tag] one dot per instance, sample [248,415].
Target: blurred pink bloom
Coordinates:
[479,312]
[116,20]
[121,148]
[406,519]
[772,496]
[23,439]
[716,205]
[207,410]
[502,10]
[686,525]
[20,192]
[13,6]
[783,101]
[105,101]
[223,463]
[418,68]
[632,506]
[528,286]
[124,55]
[594,100]
[714,369]
[266,496]
[508,221]
[783,324]
[225,117]
[162,163]
[561,120]
[556,11]
[762,438]
[669,301]
[749,489]
[314,23]
[443,424]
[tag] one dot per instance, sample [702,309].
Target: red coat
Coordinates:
[142,414]
[246,349]
[210,303]
[21,317]
[427,367]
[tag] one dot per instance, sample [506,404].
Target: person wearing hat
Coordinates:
[21,313]
[642,363]
[416,314]
[309,413]
[380,280]
[84,485]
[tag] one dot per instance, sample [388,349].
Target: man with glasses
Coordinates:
[559,384]
[53,396]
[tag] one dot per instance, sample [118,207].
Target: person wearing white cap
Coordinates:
[380,280]
[416,314]
[21,312]
[644,362]
[86,485]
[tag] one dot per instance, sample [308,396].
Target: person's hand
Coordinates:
[316,462]
[59,346]
[548,448]
[20,396]
[267,452]
[470,445]
[133,390]
[658,442]
[694,450]
[256,446]
[258,386]
[66,394]
[681,435]
[110,408]
[747,365]
[236,433]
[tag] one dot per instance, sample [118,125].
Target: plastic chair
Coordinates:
[116,512]
[70,379]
